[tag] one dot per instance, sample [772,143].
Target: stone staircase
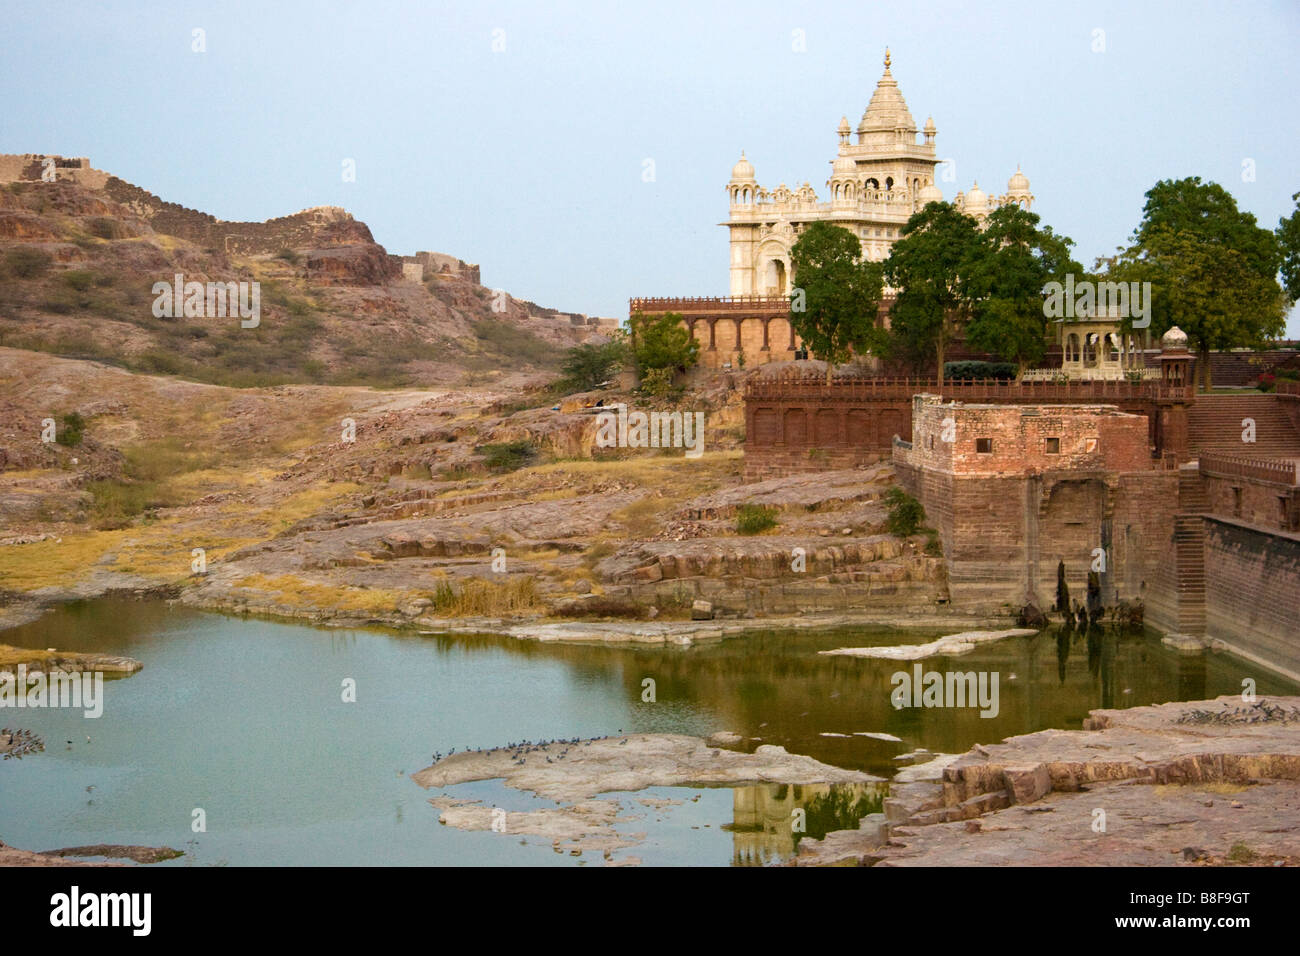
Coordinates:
[1214,424]
[1189,552]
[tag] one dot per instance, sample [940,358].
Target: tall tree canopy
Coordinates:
[1006,276]
[930,267]
[1209,212]
[1288,240]
[837,294]
[1212,268]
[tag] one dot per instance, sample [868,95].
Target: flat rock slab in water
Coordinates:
[118,851]
[580,771]
[68,662]
[950,646]
[12,856]
[583,826]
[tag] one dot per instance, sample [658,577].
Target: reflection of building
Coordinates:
[760,830]
[764,818]
[876,184]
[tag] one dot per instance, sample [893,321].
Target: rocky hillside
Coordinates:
[79,261]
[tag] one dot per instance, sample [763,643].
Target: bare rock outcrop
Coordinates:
[1134,787]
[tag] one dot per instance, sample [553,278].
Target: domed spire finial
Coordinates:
[886,59]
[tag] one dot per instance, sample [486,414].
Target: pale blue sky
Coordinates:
[529,160]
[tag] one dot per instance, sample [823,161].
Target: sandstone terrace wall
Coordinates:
[1007,517]
[1003,537]
[792,417]
[1142,560]
[1262,493]
[1253,596]
[762,464]
[754,578]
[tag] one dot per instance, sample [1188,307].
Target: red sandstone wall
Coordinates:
[773,462]
[1089,438]
[1142,543]
[1253,594]
[1000,534]
[1261,503]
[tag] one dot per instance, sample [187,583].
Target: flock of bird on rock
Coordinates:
[519,751]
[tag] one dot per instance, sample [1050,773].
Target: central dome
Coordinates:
[887,110]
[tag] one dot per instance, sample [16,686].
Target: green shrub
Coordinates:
[289,255]
[1240,853]
[116,503]
[754,519]
[905,513]
[79,279]
[26,262]
[658,383]
[967,371]
[510,455]
[662,342]
[71,432]
[159,362]
[586,366]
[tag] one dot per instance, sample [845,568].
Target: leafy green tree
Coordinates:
[1006,278]
[837,294]
[662,342]
[1288,240]
[1212,268]
[1209,212]
[1211,292]
[929,266]
[588,365]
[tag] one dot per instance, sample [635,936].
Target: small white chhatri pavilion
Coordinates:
[1096,347]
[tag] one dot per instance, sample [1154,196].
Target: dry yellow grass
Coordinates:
[298,592]
[303,504]
[29,474]
[55,563]
[13,656]
[478,598]
[1223,787]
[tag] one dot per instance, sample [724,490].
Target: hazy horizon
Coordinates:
[517,138]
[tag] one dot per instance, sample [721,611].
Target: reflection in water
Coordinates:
[766,828]
[245,716]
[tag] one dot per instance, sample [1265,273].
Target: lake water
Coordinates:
[244,718]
